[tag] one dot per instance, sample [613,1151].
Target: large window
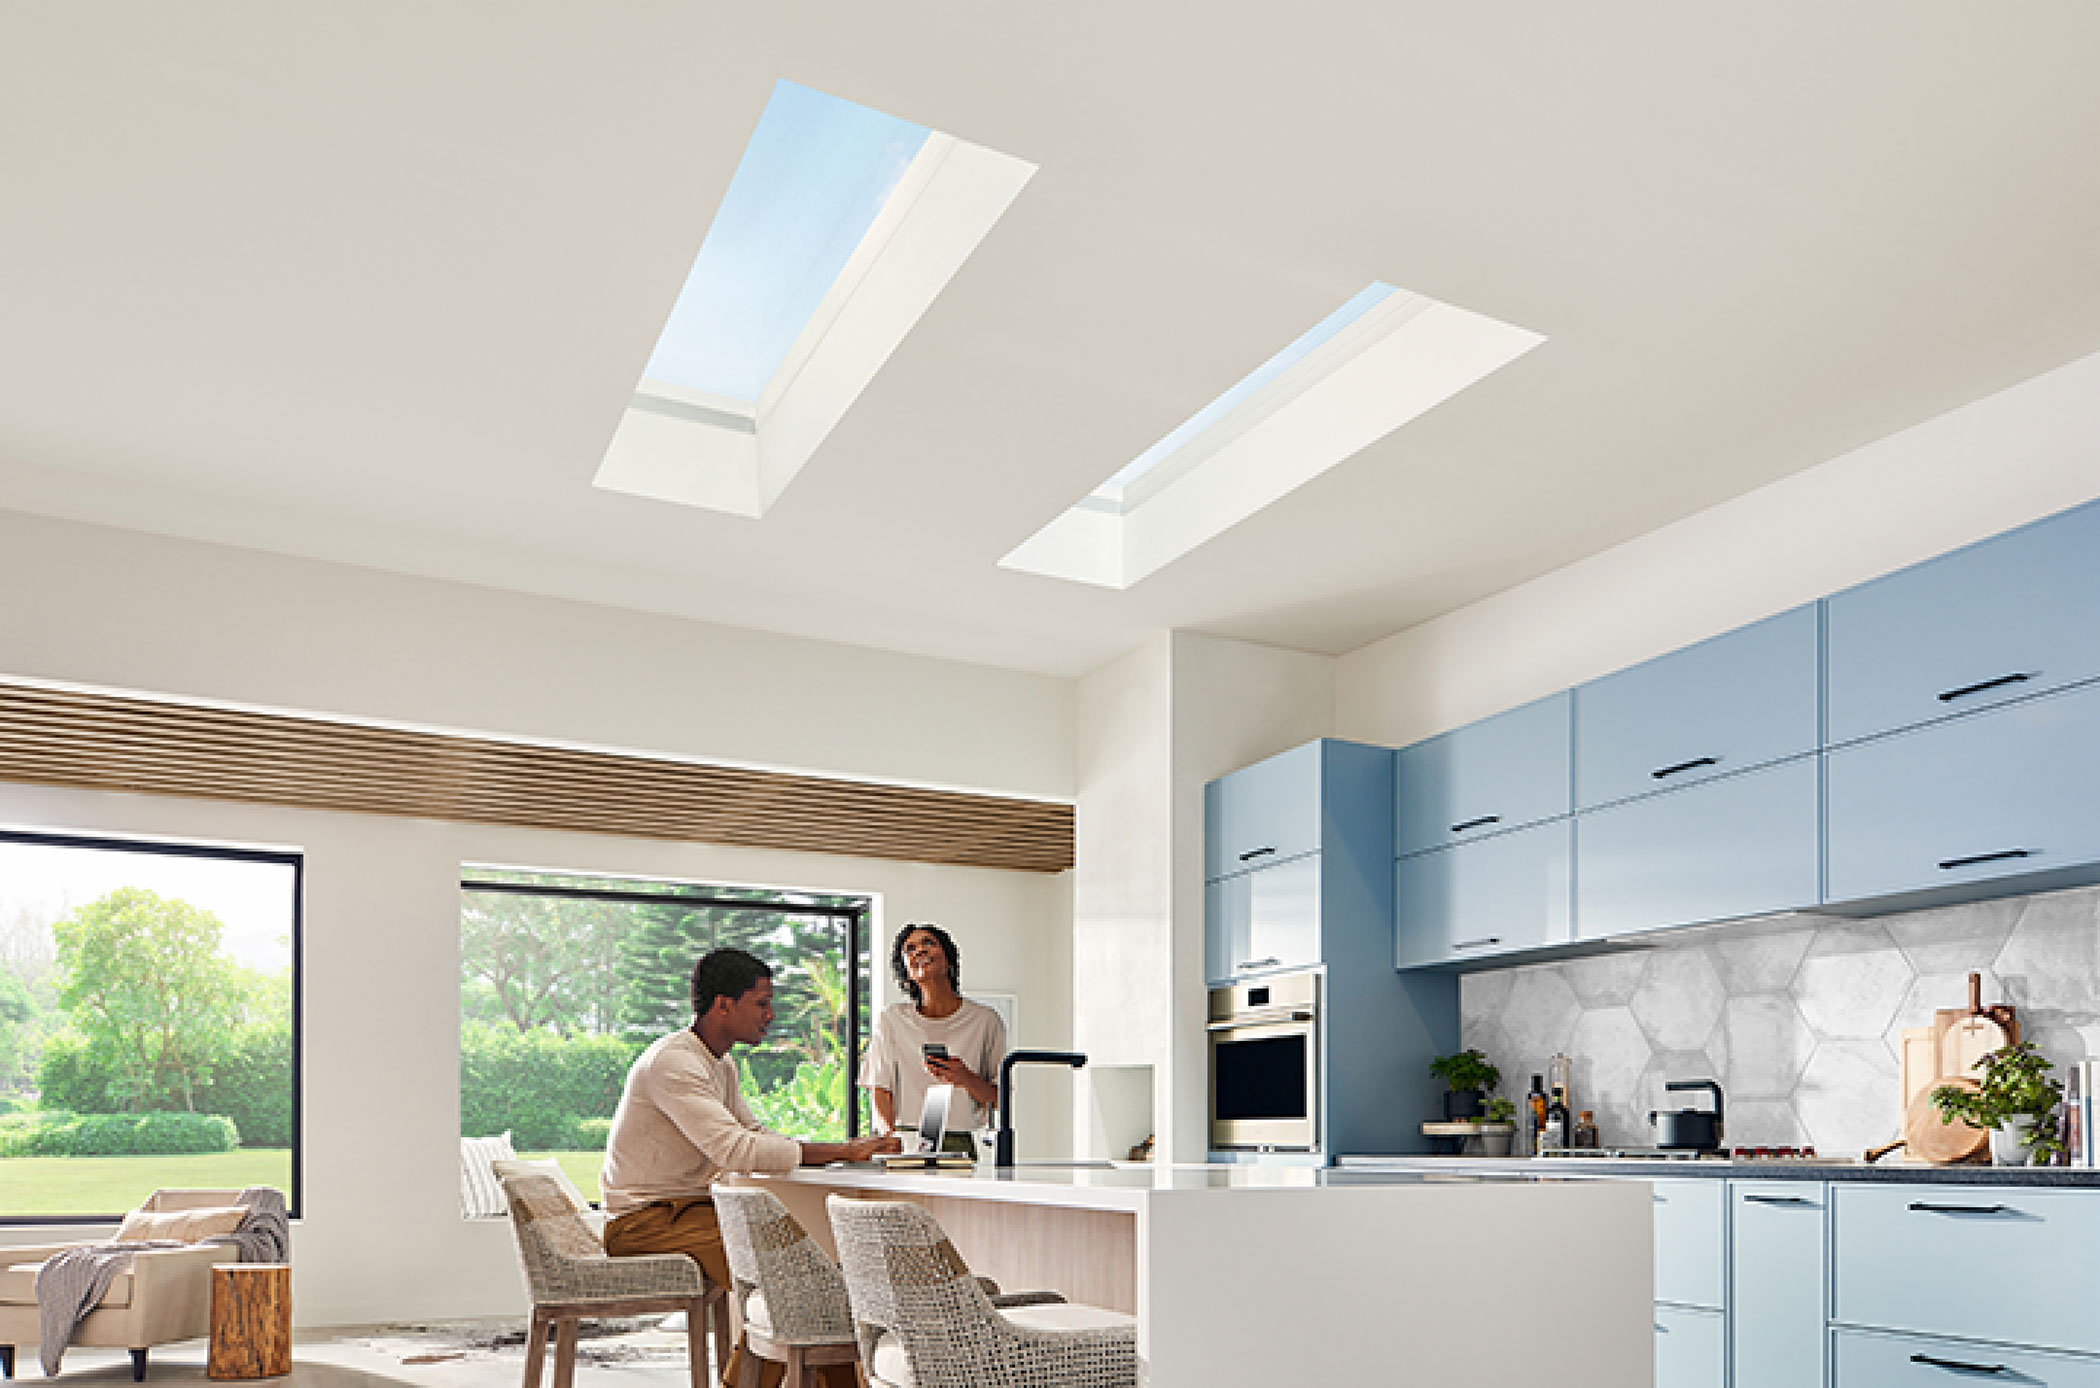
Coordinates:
[149,1010]
[564,979]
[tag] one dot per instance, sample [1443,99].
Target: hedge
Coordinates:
[250,1083]
[541,1087]
[57,1133]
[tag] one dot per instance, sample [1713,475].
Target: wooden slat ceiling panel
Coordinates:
[113,742]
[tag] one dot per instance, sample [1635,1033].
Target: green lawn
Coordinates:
[582,1168]
[112,1185]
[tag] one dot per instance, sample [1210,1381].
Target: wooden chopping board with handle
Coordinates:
[1943,1144]
[1973,1034]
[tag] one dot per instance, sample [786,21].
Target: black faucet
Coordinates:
[1004,1149]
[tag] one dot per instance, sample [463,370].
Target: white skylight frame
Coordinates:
[697,449]
[1389,362]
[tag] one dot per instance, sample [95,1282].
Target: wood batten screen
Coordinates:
[111,742]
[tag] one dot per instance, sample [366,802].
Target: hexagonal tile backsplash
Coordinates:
[1799,1018]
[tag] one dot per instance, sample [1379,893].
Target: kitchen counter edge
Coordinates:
[1634,1169]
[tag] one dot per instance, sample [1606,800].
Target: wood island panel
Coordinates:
[1089,1255]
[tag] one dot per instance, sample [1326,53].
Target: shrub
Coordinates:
[58,1133]
[538,1084]
[811,1105]
[68,1077]
[252,1085]
[588,1134]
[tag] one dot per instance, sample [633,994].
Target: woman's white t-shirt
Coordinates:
[895,1061]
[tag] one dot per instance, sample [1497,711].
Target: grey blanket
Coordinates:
[70,1283]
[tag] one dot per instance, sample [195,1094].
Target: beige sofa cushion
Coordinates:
[18,1287]
[183,1226]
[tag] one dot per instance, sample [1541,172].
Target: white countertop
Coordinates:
[1127,1187]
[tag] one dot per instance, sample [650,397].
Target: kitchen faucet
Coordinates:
[1004,1148]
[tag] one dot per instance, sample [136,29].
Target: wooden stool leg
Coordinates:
[565,1352]
[716,1306]
[535,1348]
[696,1341]
[138,1366]
[795,1377]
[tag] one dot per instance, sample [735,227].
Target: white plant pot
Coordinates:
[2009,1143]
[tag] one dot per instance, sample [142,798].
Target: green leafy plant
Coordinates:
[2015,1085]
[1501,1110]
[1469,1069]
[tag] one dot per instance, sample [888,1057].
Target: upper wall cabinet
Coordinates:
[1479,900]
[1265,814]
[2015,615]
[1501,773]
[1740,700]
[2009,792]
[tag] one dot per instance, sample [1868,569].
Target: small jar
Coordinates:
[1585,1130]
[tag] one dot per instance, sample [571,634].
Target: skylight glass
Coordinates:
[1321,332]
[817,173]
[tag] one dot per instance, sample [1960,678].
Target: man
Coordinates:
[682,1123]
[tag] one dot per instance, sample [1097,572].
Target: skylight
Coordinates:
[817,173]
[840,227]
[1385,357]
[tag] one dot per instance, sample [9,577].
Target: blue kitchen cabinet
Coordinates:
[2009,792]
[1865,1359]
[1480,900]
[1265,814]
[2008,617]
[1691,1348]
[1738,701]
[2010,1265]
[1776,1242]
[1498,774]
[1740,846]
[1257,921]
[1691,1233]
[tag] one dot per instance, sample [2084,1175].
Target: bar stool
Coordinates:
[788,1296]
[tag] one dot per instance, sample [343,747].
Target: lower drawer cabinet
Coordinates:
[1866,1360]
[2033,1277]
[1691,1348]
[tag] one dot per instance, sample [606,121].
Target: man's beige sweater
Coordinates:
[680,1124]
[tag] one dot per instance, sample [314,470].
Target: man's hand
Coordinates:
[862,1148]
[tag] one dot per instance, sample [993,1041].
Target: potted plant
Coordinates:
[2016,1100]
[1468,1076]
[1501,1126]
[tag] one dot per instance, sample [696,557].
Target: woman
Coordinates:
[898,1068]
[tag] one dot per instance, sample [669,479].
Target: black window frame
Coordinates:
[295,859]
[697,894]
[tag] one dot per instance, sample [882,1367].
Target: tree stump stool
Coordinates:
[251,1320]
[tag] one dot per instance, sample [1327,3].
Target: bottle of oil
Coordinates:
[1556,1123]
[1535,1103]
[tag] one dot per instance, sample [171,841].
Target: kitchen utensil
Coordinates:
[1920,1057]
[1943,1144]
[1689,1128]
[1979,1033]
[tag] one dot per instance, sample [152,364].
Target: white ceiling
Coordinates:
[372,282]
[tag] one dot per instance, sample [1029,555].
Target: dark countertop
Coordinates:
[1890,1172]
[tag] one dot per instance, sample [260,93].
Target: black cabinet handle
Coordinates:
[1973,859]
[1693,764]
[1950,695]
[1476,823]
[1927,1207]
[1254,853]
[1959,1366]
[1779,1200]
[1479,943]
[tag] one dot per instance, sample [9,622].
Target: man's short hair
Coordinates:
[725,973]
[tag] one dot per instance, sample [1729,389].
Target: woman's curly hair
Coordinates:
[947,944]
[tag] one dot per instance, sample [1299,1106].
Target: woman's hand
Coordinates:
[949,1070]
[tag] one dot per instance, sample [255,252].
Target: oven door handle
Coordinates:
[1262,1019]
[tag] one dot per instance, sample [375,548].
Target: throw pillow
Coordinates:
[479,1195]
[183,1226]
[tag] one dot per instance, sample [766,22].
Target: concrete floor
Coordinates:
[455,1355]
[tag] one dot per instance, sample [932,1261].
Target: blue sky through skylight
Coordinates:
[1275,366]
[817,173]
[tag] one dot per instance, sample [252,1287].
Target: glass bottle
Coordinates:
[1585,1129]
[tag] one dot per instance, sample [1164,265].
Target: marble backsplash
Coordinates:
[1797,1017]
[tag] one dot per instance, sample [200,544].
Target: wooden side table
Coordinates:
[251,1320]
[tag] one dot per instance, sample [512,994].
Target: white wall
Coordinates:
[132,611]
[2014,457]
[1154,727]
[381,1237]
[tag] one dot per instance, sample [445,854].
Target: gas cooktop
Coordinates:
[1681,1154]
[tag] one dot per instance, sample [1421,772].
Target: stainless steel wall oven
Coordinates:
[1265,1064]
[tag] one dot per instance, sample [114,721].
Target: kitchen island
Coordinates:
[1264,1275]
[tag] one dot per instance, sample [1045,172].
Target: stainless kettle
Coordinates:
[1689,1128]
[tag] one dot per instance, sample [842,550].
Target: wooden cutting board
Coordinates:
[1967,1035]
[1943,1144]
[1920,1061]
